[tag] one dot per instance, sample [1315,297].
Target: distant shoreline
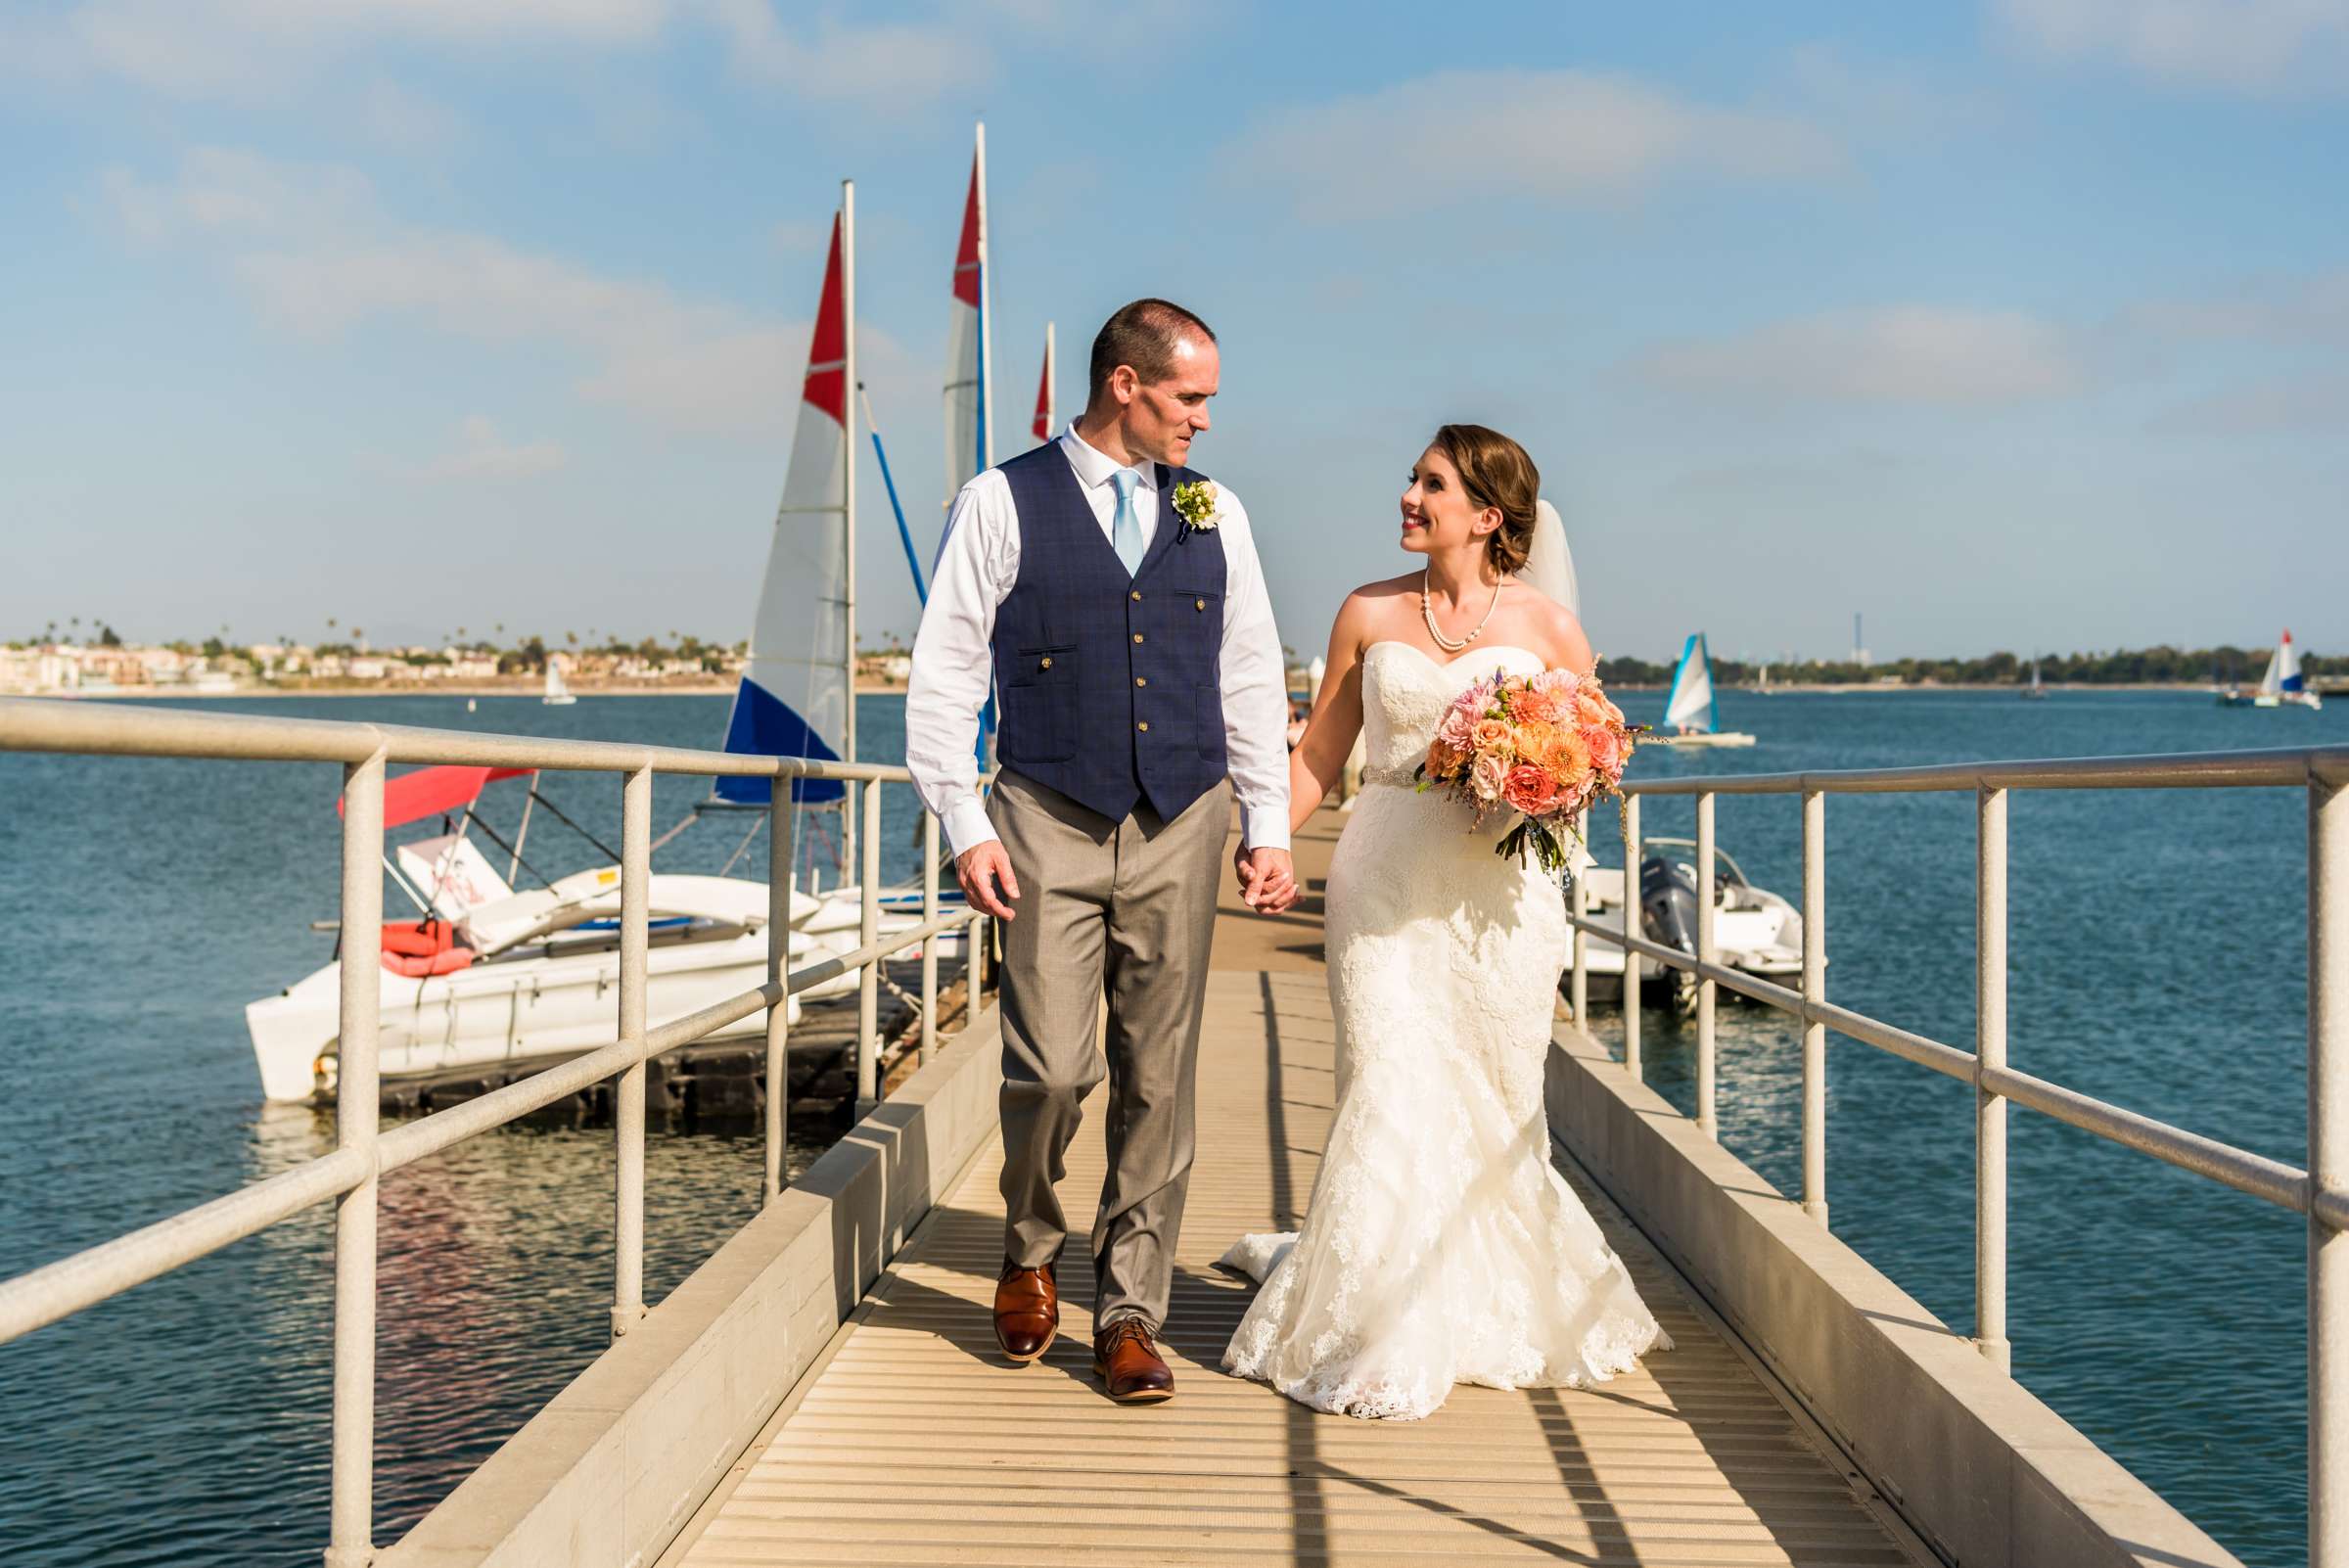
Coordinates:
[449,689]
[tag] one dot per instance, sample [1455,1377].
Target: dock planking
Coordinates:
[914,1443]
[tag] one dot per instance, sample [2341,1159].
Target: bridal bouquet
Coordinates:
[1543,746]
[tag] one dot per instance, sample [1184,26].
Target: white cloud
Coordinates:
[2291,311]
[893,61]
[483,454]
[1904,355]
[2310,401]
[318,256]
[2259,47]
[246,49]
[1551,135]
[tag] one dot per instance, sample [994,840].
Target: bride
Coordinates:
[1438,1245]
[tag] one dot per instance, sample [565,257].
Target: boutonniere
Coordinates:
[1195,503]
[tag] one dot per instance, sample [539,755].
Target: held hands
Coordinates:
[1268,880]
[981,869]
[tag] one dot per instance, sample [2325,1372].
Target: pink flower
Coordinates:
[1563,685]
[1530,789]
[1486,777]
[1607,748]
[1457,730]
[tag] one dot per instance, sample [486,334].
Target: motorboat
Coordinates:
[488,976]
[2282,685]
[1690,716]
[1754,929]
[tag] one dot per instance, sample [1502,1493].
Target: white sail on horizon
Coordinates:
[1691,700]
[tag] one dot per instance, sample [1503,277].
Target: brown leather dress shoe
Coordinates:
[1027,1310]
[1125,1358]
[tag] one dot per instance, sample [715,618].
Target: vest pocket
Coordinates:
[1208,721]
[1040,705]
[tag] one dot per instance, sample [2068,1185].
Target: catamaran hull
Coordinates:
[497,1014]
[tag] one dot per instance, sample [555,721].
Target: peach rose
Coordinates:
[1489,736]
[1605,747]
[1443,760]
[1530,789]
[1487,778]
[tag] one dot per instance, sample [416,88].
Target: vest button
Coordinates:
[1137,636]
[1047,663]
[1137,596]
[1141,680]
[1143,726]
[1199,604]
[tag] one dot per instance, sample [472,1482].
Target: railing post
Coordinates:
[929,1042]
[1578,991]
[1814,992]
[2328,1173]
[351,1529]
[1705,954]
[778,975]
[627,1104]
[1990,1108]
[868,979]
[1630,929]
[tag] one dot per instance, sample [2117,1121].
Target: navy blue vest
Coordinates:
[1111,684]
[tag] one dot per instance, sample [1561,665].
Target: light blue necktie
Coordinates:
[1126,531]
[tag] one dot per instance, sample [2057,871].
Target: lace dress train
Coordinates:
[1439,1246]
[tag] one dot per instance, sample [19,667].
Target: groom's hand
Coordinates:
[980,869]
[1268,880]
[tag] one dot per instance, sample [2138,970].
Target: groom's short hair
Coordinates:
[1144,335]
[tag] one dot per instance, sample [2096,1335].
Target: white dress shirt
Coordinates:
[978,561]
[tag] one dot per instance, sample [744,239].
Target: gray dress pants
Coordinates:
[1126,911]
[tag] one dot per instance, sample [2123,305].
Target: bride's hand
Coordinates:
[1268,880]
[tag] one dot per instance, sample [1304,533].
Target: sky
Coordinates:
[2009,323]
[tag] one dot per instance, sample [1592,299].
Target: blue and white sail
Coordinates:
[2282,677]
[794,697]
[1691,703]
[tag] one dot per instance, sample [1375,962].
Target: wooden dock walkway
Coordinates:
[913,1443]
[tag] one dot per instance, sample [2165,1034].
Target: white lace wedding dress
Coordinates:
[1438,1245]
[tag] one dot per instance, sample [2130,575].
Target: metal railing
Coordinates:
[362,1153]
[2320,1192]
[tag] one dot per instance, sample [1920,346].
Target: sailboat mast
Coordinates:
[847,517]
[1044,394]
[986,322]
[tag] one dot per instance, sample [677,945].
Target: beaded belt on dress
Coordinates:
[1400,777]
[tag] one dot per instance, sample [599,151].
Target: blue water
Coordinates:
[2158,959]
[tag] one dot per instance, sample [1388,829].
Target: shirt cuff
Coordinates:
[1264,827]
[967,826]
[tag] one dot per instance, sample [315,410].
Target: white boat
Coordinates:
[1753,928]
[1690,718]
[558,695]
[2282,685]
[2035,692]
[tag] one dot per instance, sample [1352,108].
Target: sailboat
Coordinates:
[2282,685]
[2035,691]
[558,695]
[1689,709]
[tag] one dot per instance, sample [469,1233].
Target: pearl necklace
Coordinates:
[1427,613]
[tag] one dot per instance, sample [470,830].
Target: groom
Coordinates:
[1142,687]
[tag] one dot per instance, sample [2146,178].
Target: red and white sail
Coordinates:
[794,696]
[970,437]
[1042,426]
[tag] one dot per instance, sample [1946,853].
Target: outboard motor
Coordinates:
[1668,916]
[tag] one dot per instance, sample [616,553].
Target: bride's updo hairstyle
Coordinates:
[1494,470]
